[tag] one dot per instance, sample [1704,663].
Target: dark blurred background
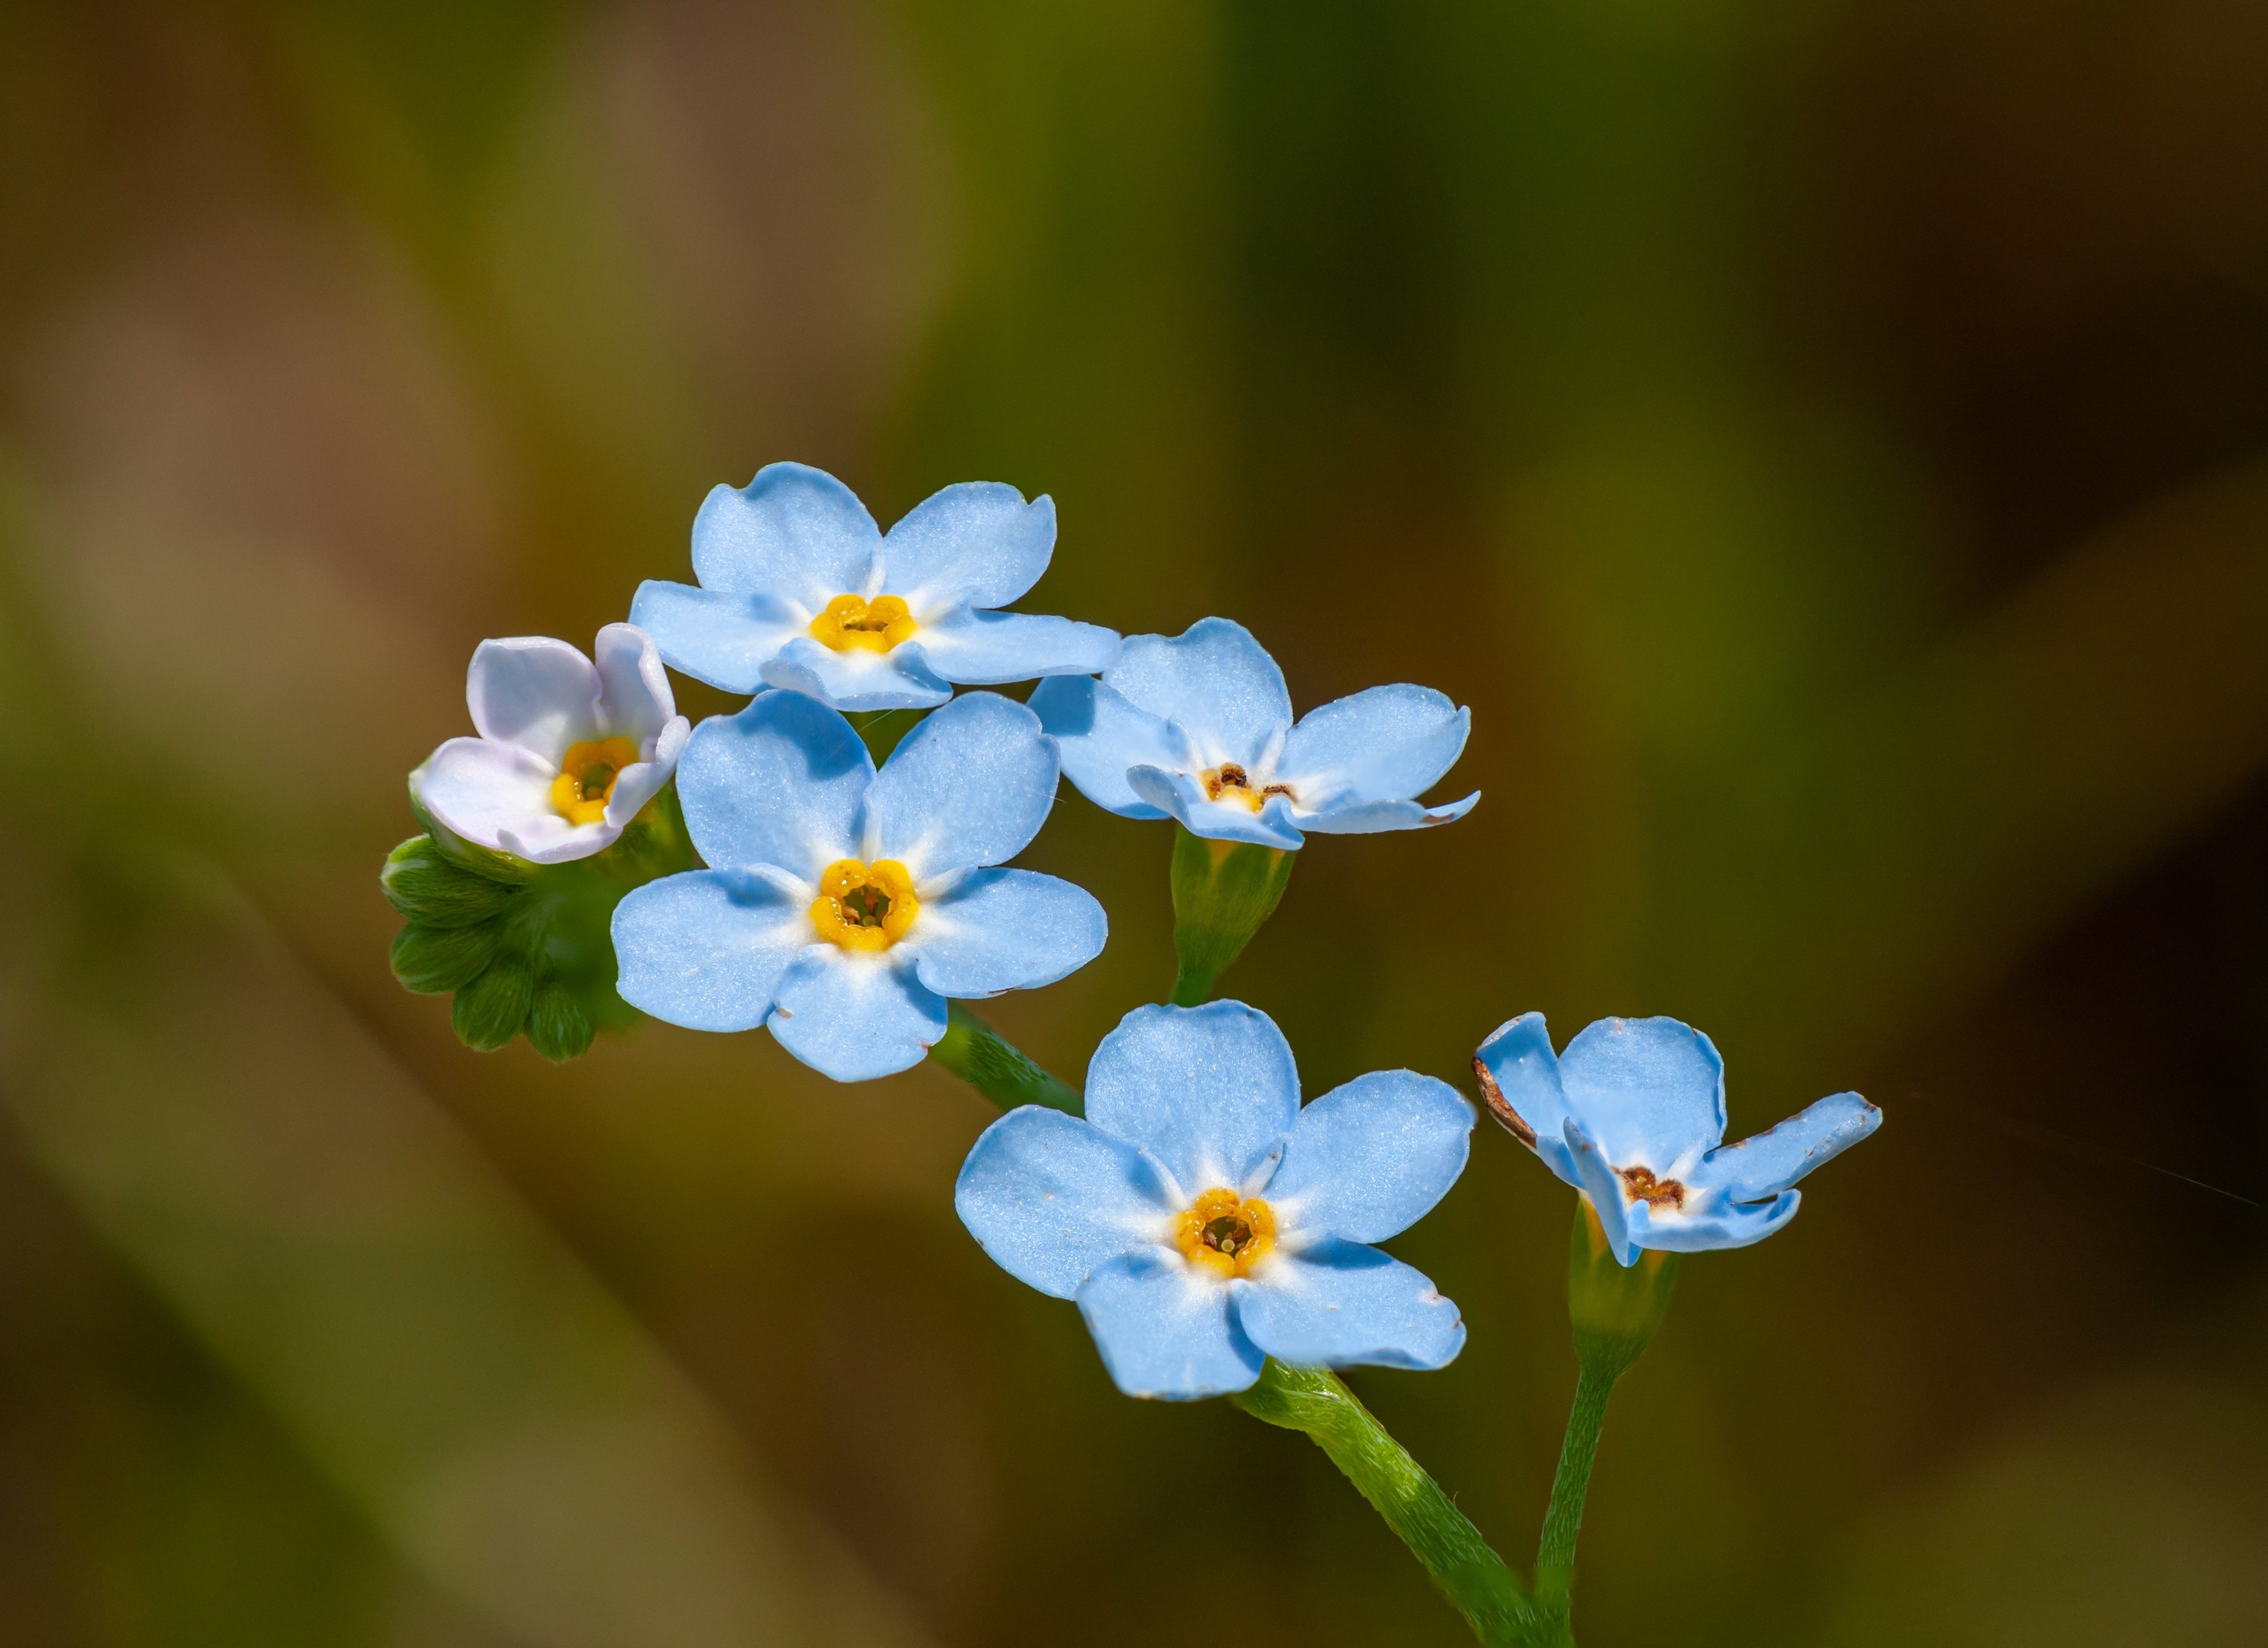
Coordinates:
[1826,442]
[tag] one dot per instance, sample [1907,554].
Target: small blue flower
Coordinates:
[1632,1114]
[842,906]
[1198,727]
[799,589]
[1204,1220]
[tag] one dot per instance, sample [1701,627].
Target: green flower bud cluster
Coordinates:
[524,948]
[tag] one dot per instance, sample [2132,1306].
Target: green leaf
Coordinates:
[491,1010]
[556,1027]
[434,960]
[423,882]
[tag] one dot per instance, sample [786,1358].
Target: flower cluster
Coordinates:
[1202,1217]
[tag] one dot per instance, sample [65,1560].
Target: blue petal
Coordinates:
[1184,798]
[977,543]
[725,640]
[984,649]
[778,783]
[1213,679]
[1650,1091]
[970,785]
[1715,1222]
[1051,1198]
[1519,1078]
[793,532]
[854,1017]
[1164,1331]
[1101,736]
[1208,1090]
[1004,929]
[1773,1160]
[900,679]
[1384,744]
[1340,1303]
[1372,818]
[1596,1178]
[705,949]
[1371,1159]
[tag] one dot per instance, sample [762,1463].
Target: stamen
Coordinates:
[586,777]
[853,624]
[1641,1185]
[864,907]
[1229,782]
[1225,1234]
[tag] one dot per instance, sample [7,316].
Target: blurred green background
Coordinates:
[1826,442]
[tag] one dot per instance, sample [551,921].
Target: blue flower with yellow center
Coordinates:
[842,906]
[799,589]
[1632,1114]
[1198,727]
[1204,1219]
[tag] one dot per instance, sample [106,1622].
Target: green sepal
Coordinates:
[1223,891]
[974,1051]
[1614,1311]
[526,948]
[435,960]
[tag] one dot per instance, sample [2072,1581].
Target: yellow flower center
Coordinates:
[853,624]
[1229,782]
[864,906]
[587,778]
[1226,1233]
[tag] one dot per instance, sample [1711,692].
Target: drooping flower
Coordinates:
[1632,1114]
[1198,727]
[568,751]
[1204,1219]
[843,905]
[799,589]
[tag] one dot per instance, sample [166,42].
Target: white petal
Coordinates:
[535,692]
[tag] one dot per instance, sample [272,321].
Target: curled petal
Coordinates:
[1102,736]
[1215,681]
[1773,1160]
[499,796]
[1372,818]
[1184,798]
[640,782]
[634,699]
[535,692]
[900,679]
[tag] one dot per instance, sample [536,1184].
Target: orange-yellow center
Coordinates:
[1229,782]
[864,906]
[852,623]
[1226,1233]
[586,777]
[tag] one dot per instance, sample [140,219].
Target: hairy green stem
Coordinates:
[974,1051]
[1555,1553]
[1470,1574]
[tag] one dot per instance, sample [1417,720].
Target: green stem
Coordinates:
[1555,1553]
[974,1051]
[1471,1575]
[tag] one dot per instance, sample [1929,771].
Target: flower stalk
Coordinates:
[1444,1542]
[1223,891]
[976,1052]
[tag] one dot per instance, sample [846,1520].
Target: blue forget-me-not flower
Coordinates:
[800,589]
[1632,1114]
[1198,727]
[843,905]
[568,750]
[1204,1219]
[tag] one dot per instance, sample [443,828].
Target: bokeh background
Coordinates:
[1826,442]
